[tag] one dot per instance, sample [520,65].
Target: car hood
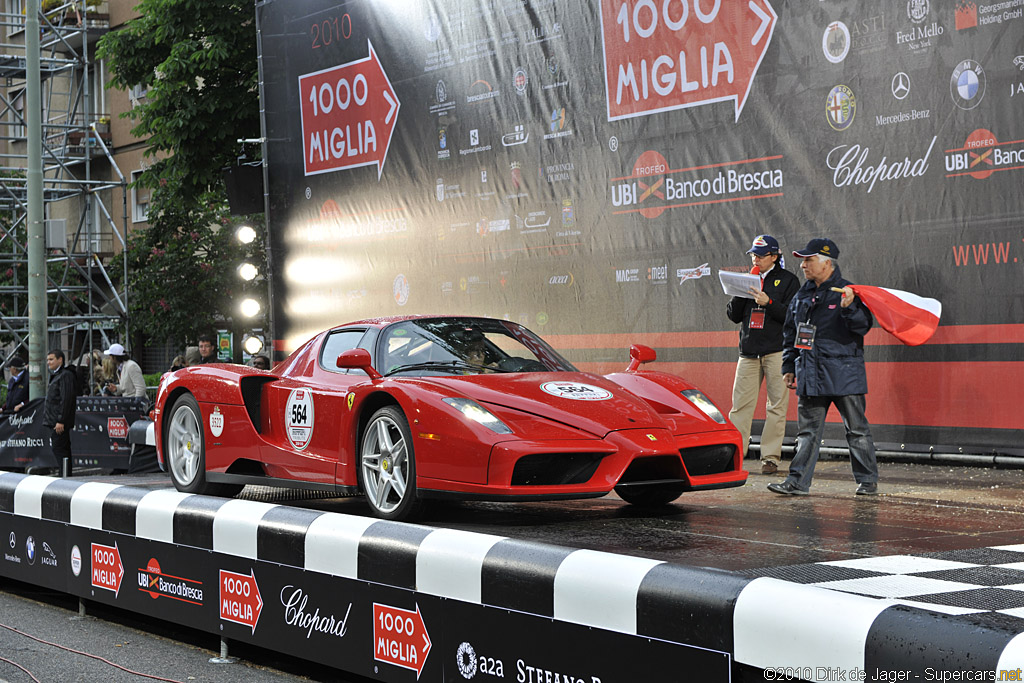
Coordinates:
[582,400]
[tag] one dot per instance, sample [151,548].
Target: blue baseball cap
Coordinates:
[819,245]
[764,245]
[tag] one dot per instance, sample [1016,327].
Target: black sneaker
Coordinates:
[786,489]
[867,490]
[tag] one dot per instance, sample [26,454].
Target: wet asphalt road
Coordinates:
[922,508]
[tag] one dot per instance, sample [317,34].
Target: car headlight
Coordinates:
[697,398]
[477,413]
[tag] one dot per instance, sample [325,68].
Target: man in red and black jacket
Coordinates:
[761,317]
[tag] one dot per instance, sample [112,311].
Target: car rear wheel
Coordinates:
[184,446]
[651,495]
[388,465]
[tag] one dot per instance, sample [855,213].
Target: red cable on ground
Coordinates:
[27,672]
[84,654]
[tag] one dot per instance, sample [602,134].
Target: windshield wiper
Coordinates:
[448,366]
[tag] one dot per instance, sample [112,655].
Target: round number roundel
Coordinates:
[298,418]
[576,391]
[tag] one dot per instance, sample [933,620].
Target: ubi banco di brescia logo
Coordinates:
[854,165]
[982,155]
[654,187]
[152,580]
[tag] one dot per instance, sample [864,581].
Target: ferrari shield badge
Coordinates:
[216,422]
[576,391]
[298,418]
[351,400]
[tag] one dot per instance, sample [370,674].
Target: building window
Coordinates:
[137,94]
[17,113]
[15,19]
[140,200]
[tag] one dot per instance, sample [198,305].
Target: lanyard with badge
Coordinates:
[757,314]
[805,331]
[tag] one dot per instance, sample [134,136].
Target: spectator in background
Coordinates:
[130,379]
[192,356]
[207,350]
[261,362]
[107,374]
[59,409]
[178,363]
[17,387]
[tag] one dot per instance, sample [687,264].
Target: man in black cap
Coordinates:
[823,360]
[17,387]
[761,316]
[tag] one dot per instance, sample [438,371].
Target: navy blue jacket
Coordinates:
[17,390]
[835,365]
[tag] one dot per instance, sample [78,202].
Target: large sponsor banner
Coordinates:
[362,627]
[586,167]
[24,441]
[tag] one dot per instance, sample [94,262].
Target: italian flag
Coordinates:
[910,318]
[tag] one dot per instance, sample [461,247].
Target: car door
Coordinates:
[306,412]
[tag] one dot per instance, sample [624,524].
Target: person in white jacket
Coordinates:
[131,381]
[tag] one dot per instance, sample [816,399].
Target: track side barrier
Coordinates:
[400,602]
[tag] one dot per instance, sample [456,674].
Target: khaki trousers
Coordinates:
[750,372]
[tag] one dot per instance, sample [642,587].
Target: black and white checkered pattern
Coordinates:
[949,613]
[982,582]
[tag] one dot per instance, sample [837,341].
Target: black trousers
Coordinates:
[61,445]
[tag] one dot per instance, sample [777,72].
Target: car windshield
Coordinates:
[450,346]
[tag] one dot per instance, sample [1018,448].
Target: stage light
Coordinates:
[249,308]
[252,345]
[247,272]
[245,234]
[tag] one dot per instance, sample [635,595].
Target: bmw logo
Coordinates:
[967,84]
[30,549]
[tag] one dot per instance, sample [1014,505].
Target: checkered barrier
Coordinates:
[475,605]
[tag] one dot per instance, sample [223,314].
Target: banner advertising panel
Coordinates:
[587,167]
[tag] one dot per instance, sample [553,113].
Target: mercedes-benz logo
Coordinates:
[900,85]
[13,540]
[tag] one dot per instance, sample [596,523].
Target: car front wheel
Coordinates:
[388,465]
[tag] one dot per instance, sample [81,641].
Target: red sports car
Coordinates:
[408,408]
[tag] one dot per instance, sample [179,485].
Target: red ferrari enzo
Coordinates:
[409,408]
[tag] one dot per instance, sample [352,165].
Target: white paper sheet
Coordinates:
[737,284]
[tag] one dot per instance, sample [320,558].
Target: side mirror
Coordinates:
[359,359]
[640,354]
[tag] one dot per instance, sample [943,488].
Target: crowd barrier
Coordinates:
[401,602]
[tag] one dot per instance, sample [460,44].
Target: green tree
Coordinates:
[197,58]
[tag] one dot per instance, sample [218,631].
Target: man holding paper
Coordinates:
[823,360]
[761,312]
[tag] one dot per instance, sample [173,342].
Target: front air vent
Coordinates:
[708,459]
[555,469]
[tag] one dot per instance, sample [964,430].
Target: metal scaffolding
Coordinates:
[87,300]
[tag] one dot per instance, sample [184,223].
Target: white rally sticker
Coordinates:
[298,418]
[576,391]
[217,421]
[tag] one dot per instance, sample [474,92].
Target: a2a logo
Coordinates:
[469,663]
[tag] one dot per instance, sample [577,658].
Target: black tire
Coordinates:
[387,466]
[185,450]
[652,495]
